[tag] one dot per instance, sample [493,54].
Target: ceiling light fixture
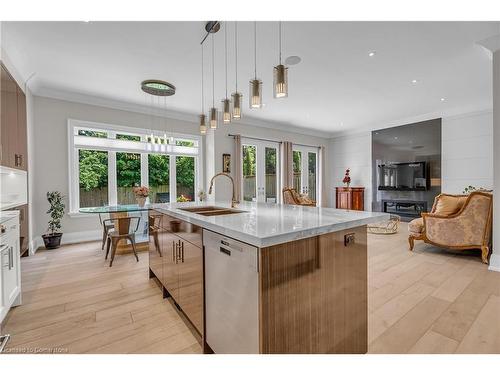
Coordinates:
[226,103]
[371,54]
[236,96]
[213,110]
[280,74]
[414,81]
[443,99]
[292,60]
[255,84]
[203,125]
[157,87]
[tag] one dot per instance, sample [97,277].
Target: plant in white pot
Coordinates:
[52,239]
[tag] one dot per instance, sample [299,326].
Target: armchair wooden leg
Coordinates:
[132,239]
[411,241]
[485,251]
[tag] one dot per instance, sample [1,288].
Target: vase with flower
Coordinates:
[347,178]
[141,193]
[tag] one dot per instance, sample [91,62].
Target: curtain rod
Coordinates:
[270,140]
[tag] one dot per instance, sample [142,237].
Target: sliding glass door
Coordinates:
[260,171]
[305,170]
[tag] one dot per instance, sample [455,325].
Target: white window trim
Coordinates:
[112,130]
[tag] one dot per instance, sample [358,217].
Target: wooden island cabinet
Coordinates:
[176,260]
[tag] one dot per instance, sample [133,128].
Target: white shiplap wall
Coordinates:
[467,152]
[353,152]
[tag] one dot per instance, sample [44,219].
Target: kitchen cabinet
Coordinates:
[13,142]
[181,265]
[23,228]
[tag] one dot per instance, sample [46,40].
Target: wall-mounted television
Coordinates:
[403,176]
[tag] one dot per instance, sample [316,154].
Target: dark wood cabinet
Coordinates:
[181,259]
[13,142]
[350,198]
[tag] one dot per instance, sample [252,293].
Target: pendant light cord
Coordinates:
[202,87]
[280,39]
[213,73]
[225,53]
[236,52]
[255,47]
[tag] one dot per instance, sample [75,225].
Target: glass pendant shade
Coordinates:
[255,93]
[203,125]
[213,118]
[226,111]
[236,105]
[280,77]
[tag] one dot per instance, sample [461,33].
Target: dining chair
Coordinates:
[154,228]
[105,228]
[122,231]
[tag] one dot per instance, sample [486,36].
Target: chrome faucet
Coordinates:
[233,199]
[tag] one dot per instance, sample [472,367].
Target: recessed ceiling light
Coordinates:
[414,81]
[395,137]
[292,60]
[372,53]
[443,99]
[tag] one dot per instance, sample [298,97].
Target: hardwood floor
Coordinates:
[74,303]
[425,301]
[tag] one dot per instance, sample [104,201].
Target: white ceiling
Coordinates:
[336,87]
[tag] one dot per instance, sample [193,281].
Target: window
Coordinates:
[107,162]
[128,175]
[93,179]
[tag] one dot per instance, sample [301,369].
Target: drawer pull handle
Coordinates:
[225,251]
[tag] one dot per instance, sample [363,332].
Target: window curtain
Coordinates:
[323,200]
[237,167]
[286,165]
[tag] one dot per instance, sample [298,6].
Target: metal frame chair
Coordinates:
[122,227]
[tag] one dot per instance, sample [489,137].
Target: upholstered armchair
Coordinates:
[456,222]
[290,196]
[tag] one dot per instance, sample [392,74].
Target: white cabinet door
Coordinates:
[10,268]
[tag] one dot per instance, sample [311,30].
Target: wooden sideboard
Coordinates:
[350,198]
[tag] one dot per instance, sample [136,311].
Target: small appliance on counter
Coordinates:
[10,266]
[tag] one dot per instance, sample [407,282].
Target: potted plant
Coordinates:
[52,239]
[141,193]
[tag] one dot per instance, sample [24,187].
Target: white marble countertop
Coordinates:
[265,224]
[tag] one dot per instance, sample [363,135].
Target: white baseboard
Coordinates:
[494,262]
[68,238]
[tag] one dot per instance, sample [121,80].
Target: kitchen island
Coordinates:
[265,278]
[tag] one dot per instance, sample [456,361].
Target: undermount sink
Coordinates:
[211,210]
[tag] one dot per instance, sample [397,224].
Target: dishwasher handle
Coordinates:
[225,251]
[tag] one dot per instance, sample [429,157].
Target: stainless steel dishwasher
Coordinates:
[231,294]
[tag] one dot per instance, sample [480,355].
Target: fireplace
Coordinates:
[405,208]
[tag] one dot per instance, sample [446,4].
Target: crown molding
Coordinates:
[445,115]
[70,96]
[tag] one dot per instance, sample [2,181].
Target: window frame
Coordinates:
[143,148]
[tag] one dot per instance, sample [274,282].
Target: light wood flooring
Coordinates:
[426,301]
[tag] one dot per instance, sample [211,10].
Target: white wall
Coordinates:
[50,154]
[467,152]
[353,152]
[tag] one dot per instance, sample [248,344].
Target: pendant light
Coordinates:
[226,103]
[280,75]
[203,125]
[236,96]
[213,110]
[255,84]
